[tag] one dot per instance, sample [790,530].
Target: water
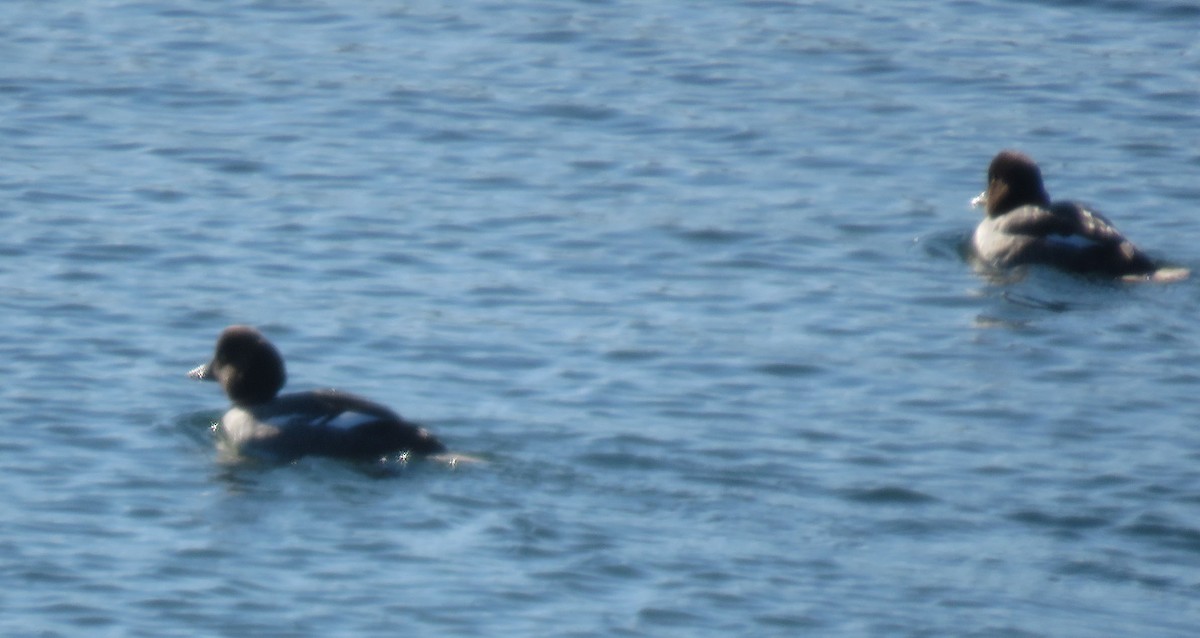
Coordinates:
[686,275]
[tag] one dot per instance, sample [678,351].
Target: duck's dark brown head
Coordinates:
[247,366]
[1013,180]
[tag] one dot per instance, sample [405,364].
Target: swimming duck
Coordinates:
[1022,226]
[264,424]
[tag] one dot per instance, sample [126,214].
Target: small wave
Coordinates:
[888,495]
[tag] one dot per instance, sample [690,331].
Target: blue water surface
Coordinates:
[685,276]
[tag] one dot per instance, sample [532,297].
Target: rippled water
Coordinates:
[685,275]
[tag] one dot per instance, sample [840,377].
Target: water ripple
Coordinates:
[689,283]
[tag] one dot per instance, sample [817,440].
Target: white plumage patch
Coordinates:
[350,420]
[342,420]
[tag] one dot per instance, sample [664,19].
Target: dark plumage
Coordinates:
[285,427]
[1023,226]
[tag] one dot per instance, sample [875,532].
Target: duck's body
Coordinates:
[263,424]
[324,423]
[1065,235]
[1022,226]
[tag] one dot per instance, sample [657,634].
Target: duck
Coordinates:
[1021,226]
[265,425]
